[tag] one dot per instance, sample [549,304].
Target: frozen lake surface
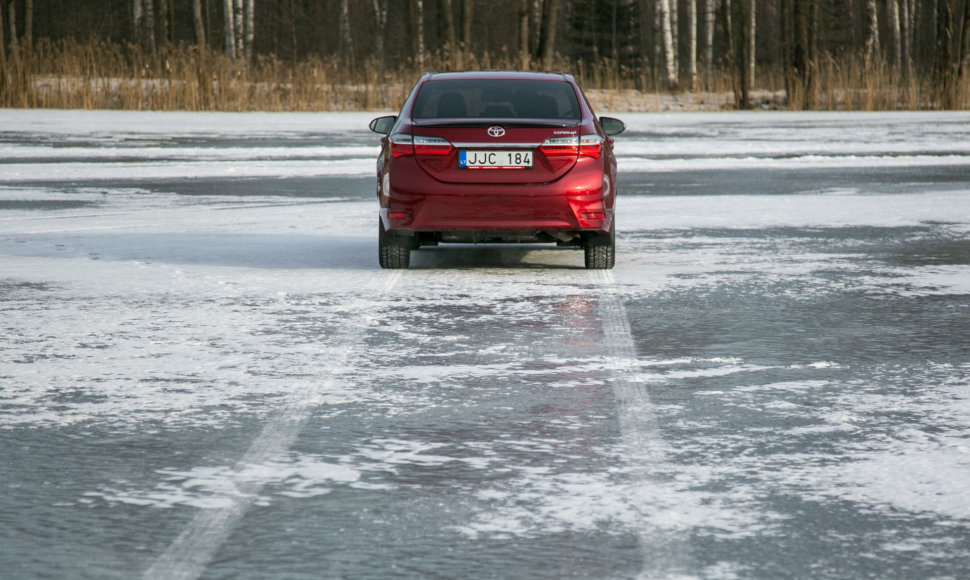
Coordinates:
[204,374]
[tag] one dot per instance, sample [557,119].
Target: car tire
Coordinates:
[601,250]
[393,252]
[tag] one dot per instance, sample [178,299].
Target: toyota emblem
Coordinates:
[495,131]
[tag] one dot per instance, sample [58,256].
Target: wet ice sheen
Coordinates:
[772,382]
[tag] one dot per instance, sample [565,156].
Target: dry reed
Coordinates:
[101,75]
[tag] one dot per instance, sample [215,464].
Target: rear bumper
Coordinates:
[582,201]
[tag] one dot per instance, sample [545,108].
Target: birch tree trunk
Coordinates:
[872,37]
[709,12]
[892,6]
[732,53]
[229,33]
[250,32]
[658,45]
[906,38]
[239,28]
[692,42]
[675,34]
[668,44]
[752,45]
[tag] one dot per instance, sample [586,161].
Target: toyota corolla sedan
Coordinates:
[496,157]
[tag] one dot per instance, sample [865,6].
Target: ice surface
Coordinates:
[756,364]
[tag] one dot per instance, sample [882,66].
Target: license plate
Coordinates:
[506,159]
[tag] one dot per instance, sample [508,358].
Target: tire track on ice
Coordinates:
[642,445]
[187,557]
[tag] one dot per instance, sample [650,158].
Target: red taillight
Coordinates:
[590,145]
[558,146]
[401,145]
[586,146]
[431,146]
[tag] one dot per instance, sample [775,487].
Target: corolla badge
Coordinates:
[495,131]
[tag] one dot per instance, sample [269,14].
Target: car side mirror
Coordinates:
[612,126]
[383,125]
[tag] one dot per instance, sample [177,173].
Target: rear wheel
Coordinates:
[393,252]
[601,250]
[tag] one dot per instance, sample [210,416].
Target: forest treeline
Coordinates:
[365,54]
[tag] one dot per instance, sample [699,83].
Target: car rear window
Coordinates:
[496,99]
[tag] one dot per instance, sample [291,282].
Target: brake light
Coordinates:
[585,145]
[590,145]
[431,146]
[557,146]
[401,145]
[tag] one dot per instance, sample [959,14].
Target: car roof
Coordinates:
[499,75]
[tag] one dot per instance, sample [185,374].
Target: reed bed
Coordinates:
[101,75]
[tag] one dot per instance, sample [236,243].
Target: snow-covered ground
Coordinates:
[203,373]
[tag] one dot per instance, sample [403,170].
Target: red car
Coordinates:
[496,157]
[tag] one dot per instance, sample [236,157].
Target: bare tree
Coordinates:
[709,14]
[28,44]
[137,20]
[12,22]
[550,22]
[906,39]
[250,32]
[346,33]
[380,16]
[230,28]
[3,56]
[945,77]
[895,28]
[417,19]
[740,22]
[149,25]
[143,23]
[239,30]
[872,37]
[668,43]
[802,17]
[198,23]
[675,34]
[451,36]
[467,16]
[752,45]
[965,44]
[163,16]
[524,46]
[692,43]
